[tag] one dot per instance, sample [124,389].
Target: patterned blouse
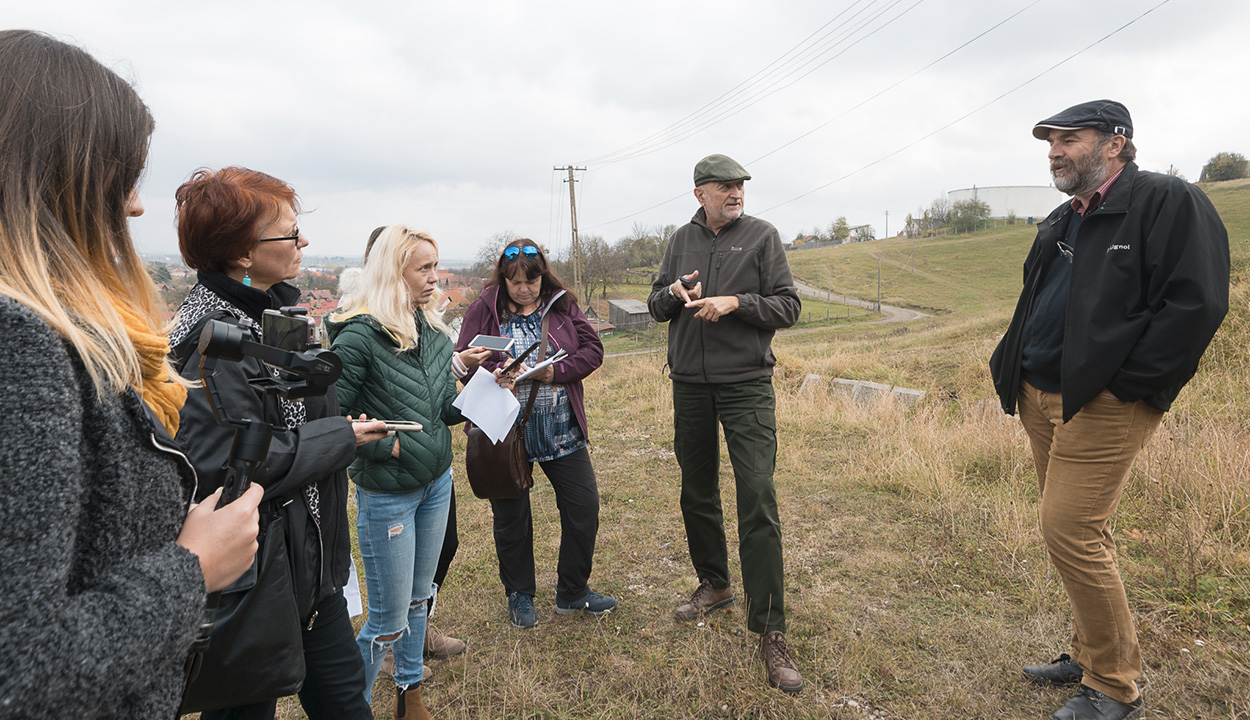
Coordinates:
[552,431]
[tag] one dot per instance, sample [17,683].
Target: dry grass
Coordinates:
[916,579]
[917,583]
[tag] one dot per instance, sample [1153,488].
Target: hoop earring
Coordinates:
[247,279]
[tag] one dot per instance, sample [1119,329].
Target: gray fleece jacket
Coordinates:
[745,259]
[98,605]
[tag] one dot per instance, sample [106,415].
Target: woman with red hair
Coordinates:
[237,228]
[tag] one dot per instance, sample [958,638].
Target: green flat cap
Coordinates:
[719,168]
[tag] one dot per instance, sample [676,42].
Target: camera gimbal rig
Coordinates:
[306,372]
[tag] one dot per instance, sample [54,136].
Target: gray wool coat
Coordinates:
[98,605]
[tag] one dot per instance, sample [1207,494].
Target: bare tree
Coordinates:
[601,266]
[940,211]
[488,254]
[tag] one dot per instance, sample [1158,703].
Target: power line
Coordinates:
[900,82]
[844,114]
[972,112]
[774,87]
[765,75]
[723,95]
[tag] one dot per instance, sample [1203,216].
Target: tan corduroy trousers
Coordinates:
[1082,466]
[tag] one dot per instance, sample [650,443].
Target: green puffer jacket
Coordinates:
[416,385]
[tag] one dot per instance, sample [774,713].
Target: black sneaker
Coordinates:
[1059,672]
[592,602]
[1089,704]
[521,610]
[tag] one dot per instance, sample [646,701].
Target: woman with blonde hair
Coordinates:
[397,365]
[105,572]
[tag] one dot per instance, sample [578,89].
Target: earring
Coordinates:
[247,279]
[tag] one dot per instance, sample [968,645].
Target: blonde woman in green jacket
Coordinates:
[397,365]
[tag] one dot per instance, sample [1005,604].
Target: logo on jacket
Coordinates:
[1118,247]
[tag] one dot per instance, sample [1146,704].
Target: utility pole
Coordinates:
[878,284]
[822,284]
[576,250]
[887,224]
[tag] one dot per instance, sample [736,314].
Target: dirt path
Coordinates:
[892,314]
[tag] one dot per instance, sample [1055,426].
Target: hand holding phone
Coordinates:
[492,342]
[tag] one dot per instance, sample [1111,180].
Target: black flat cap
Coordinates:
[719,168]
[1105,115]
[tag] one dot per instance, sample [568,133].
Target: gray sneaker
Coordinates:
[521,610]
[592,602]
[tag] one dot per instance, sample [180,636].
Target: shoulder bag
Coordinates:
[255,651]
[502,470]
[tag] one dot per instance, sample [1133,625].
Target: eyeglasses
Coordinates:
[1065,250]
[512,252]
[294,236]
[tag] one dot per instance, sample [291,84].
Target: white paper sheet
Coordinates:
[352,593]
[538,368]
[489,406]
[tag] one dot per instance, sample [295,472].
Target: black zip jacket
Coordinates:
[1149,289]
[318,451]
[745,259]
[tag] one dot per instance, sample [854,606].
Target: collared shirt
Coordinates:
[1096,199]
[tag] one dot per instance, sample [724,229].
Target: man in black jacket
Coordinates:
[725,288]
[1123,290]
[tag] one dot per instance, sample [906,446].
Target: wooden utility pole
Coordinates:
[575,252]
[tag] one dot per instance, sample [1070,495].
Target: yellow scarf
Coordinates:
[164,396]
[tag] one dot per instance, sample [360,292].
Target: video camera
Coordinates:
[303,370]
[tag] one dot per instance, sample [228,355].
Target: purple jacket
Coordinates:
[569,331]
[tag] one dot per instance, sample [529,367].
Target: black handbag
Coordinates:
[256,651]
[502,470]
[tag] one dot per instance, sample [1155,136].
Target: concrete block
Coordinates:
[907,396]
[812,383]
[843,386]
[870,393]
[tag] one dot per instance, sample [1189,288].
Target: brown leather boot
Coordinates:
[704,600]
[781,671]
[438,645]
[408,705]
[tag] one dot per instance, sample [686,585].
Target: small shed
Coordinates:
[629,314]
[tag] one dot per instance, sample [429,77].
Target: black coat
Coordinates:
[1149,289]
[318,451]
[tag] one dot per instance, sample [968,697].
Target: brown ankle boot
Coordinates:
[408,705]
[438,645]
[705,599]
[781,671]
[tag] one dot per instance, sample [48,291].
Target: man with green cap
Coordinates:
[725,288]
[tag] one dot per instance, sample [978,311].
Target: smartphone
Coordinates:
[688,284]
[293,332]
[491,342]
[402,426]
[512,365]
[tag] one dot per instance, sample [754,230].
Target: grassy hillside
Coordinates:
[917,581]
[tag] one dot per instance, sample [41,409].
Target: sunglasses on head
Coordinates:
[512,252]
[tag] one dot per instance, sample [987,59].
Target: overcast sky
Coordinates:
[451,116]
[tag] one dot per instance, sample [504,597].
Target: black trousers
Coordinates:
[334,684]
[577,498]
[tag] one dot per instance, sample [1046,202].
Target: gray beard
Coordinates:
[1086,176]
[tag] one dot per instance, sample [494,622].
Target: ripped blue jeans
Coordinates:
[401,535]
